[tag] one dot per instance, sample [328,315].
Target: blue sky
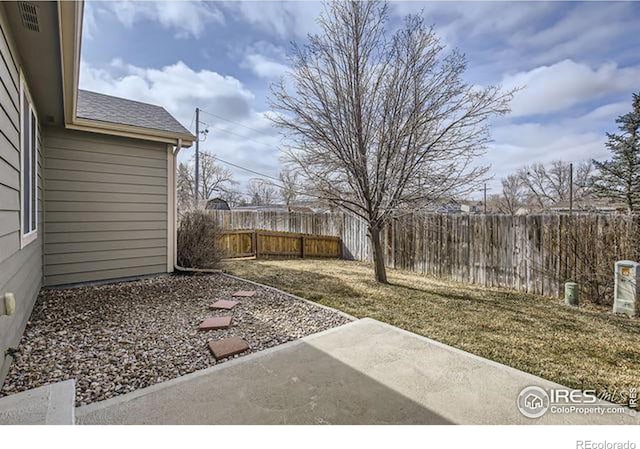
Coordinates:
[578,64]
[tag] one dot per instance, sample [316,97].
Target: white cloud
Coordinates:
[283,18]
[89,23]
[572,139]
[605,114]
[554,88]
[517,145]
[584,30]
[264,67]
[177,87]
[455,20]
[521,35]
[265,59]
[187,18]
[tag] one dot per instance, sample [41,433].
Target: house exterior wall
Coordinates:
[20,268]
[105,206]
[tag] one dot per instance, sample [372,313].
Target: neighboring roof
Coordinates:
[105,108]
[217,204]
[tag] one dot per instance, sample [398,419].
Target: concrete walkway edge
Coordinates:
[89,408]
[471,355]
[364,372]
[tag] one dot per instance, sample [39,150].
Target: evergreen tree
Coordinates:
[619,178]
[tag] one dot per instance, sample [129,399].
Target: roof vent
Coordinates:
[29,15]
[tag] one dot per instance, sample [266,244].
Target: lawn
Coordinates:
[579,348]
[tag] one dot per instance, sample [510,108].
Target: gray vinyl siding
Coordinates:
[106,207]
[20,269]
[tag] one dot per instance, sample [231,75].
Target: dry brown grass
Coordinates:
[583,348]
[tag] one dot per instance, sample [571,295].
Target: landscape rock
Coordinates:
[116,338]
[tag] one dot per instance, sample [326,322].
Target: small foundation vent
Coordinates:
[29,15]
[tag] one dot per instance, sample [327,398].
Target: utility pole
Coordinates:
[197,193]
[485,198]
[571,188]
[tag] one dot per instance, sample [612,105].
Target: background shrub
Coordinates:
[591,244]
[198,246]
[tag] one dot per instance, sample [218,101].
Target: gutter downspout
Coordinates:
[174,204]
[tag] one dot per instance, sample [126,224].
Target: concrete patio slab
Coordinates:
[49,404]
[365,372]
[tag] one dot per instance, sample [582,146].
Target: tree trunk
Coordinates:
[378,254]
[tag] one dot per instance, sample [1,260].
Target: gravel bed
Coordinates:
[117,338]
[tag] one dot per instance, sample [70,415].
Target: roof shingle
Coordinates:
[105,108]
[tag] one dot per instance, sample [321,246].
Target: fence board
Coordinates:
[533,253]
[245,243]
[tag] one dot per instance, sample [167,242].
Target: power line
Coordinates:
[234,122]
[276,184]
[269,177]
[245,169]
[208,125]
[244,137]
[263,175]
[192,118]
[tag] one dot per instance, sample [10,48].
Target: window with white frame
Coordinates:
[28,166]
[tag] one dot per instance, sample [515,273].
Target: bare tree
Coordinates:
[261,192]
[185,187]
[513,195]
[383,125]
[549,185]
[214,180]
[289,185]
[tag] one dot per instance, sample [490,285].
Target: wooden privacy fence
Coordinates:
[258,243]
[351,230]
[530,253]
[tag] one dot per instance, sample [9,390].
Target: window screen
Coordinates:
[26,167]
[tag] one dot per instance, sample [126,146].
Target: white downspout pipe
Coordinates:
[174,203]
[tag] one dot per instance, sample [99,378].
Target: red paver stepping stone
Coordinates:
[244,293]
[227,347]
[216,322]
[223,304]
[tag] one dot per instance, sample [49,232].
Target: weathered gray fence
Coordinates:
[533,253]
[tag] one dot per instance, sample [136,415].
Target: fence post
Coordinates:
[254,243]
[257,237]
[302,240]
